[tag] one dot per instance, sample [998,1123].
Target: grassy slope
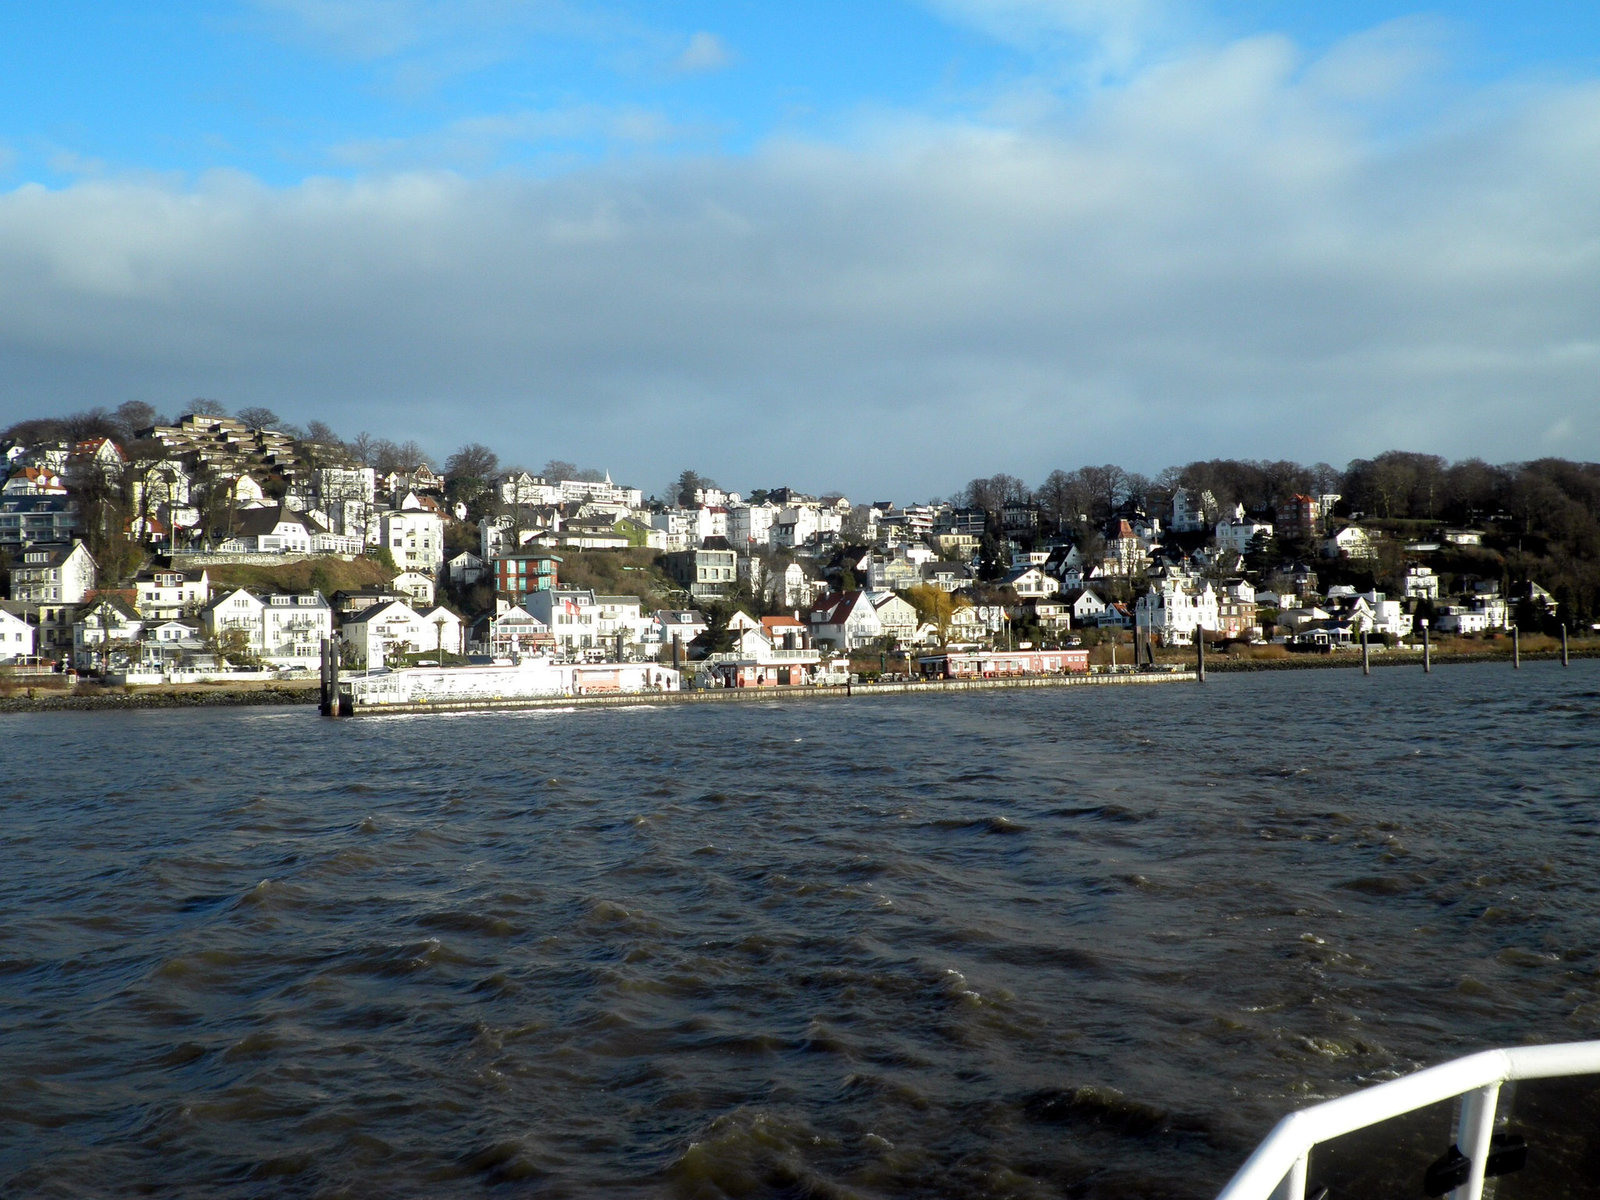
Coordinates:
[327,574]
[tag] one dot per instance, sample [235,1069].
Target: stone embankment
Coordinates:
[41,700]
[1221,663]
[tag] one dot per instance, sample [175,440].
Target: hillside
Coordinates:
[326,575]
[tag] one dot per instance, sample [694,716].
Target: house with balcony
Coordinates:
[1174,608]
[233,618]
[709,572]
[293,625]
[522,572]
[54,574]
[845,621]
[573,617]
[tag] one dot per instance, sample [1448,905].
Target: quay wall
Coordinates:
[802,692]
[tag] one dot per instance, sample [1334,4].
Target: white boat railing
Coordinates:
[1278,1169]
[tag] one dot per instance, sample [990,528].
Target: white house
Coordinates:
[750,525]
[1421,583]
[668,625]
[165,592]
[416,585]
[845,621]
[1192,511]
[387,628]
[106,634]
[293,625]
[464,569]
[573,615]
[1085,607]
[1457,618]
[19,637]
[53,574]
[1236,531]
[896,615]
[1388,616]
[447,631]
[236,612]
[1032,583]
[272,529]
[1173,608]
[1350,542]
[414,537]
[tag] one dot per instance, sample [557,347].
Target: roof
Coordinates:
[374,611]
[258,522]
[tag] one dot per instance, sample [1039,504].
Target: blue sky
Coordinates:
[771,241]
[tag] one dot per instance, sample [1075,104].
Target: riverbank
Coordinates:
[1223,663]
[89,698]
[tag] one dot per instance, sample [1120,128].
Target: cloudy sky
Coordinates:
[881,245]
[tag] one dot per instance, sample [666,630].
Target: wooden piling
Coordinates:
[1516,649]
[1200,644]
[1565,662]
[1427,651]
[1366,655]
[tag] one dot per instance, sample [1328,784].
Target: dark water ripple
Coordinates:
[1081,943]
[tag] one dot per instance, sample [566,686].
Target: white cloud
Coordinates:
[1218,260]
[706,52]
[476,143]
[1105,38]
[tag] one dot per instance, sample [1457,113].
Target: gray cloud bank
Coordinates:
[1234,255]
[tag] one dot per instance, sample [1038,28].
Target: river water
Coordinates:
[1083,942]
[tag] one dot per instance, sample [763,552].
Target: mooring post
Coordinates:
[335,648]
[1564,660]
[1427,651]
[1366,655]
[1516,649]
[1200,652]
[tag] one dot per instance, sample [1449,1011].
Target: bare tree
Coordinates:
[559,468]
[361,447]
[258,417]
[134,416]
[472,461]
[1106,486]
[206,407]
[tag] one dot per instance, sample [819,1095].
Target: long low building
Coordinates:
[999,663]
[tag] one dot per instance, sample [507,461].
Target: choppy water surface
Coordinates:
[1086,942]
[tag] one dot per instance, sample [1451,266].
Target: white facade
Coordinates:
[18,638]
[750,525]
[573,615]
[163,594]
[1236,533]
[415,538]
[293,626]
[1421,583]
[387,629]
[1173,609]
[238,610]
[53,575]
[847,622]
